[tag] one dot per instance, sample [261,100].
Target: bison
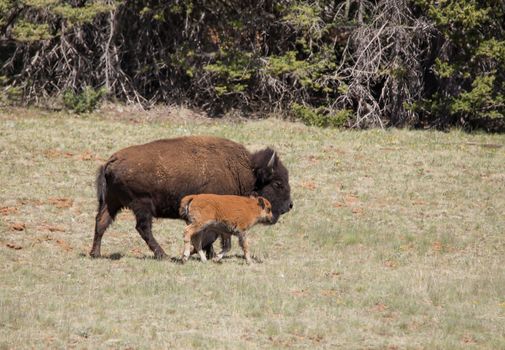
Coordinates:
[151,179]
[228,215]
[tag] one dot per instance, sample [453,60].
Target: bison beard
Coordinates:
[151,180]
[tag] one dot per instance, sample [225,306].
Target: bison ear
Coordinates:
[261,202]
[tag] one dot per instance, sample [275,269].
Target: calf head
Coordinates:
[272,181]
[266,215]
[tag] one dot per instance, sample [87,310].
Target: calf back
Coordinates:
[238,213]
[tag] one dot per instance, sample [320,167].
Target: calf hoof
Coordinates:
[184,257]
[94,254]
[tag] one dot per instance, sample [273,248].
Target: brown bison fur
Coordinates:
[151,179]
[229,215]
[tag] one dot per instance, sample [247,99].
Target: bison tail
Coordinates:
[184,208]
[101,186]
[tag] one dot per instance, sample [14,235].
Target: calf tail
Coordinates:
[184,208]
[101,187]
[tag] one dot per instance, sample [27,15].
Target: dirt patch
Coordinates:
[329,293]
[64,245]
[390,264]
[34,202]
[18,226]
[357,211]
[51,228]
[13,246]
[379,307]
[61,203]
[86,155]
[437,246]
[5,211]
[309,185]
[299,293]
[468,339]
[53,153]
[313,159]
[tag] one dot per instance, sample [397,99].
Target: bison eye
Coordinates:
[278,185]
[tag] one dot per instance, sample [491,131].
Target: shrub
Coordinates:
[86,101]
[321,116]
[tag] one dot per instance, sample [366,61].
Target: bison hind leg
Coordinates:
[104,218]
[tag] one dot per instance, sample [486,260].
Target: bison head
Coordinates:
[272,181]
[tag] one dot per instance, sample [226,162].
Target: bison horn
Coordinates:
[271,161]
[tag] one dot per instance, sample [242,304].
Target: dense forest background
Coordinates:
[353,63]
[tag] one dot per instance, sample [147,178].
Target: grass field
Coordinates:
[396,241]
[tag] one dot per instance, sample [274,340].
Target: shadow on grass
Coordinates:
[113,256]
[240,257]
[173,259]
[196,258]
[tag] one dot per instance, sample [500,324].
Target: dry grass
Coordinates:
[396,241]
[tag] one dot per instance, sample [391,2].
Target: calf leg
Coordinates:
[189,232]
[144,224]
[103,219]
[244,244]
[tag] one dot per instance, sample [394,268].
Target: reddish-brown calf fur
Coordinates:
[229,215]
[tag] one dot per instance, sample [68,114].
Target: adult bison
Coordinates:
[151,180]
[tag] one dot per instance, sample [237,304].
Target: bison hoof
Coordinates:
[94,255]
[160,255]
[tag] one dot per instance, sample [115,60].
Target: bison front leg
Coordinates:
[196,241]
[144,225]
[225,246]
[244,244]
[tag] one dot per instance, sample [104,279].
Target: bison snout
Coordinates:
[287,207]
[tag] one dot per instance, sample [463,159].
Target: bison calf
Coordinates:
[226,214]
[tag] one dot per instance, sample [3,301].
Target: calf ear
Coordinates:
[261,202]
